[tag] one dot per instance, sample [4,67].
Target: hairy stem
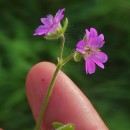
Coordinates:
[61,62]
[62,46]
[47,97]
[68,58]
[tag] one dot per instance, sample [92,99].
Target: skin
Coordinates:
[67,103]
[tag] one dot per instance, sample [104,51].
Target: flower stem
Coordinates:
[62,46]
[47,97]
[61,62]
[68,58]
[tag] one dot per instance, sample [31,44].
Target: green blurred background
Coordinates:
[108,89]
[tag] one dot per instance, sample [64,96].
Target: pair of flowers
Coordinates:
[88,48]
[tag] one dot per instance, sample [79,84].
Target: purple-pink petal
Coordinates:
[59,15]
[80,46]
[93,40]
[97,42]
[41,30]
[87,34]
[93,34]
[101,56]
[50,19]
[101,37]
[80,50]
[54,27]
[98,62]
[46,22]
[90,49]
[50,23]
[90,66]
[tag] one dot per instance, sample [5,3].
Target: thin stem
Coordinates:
[47,97]
[59,66]
[62,46]
[68,58]
[61,62]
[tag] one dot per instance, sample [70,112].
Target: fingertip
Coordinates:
[67,103]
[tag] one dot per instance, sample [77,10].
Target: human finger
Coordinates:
[67,103]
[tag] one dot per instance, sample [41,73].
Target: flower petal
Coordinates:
[46,22]
[98,62]
[54,28]
[90,66]
[101,37]
[93,34]
[87,34]
[50,19]
[80,46]
[80,50]
[41,30]
[102,57]
[59,15]
[98,42]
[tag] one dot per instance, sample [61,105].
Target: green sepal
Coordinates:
[65,25]
[60,126]
[59,31]
[52,36]
[78,56]
[85,38]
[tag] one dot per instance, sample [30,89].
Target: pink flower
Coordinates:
[50,24]
[90,50]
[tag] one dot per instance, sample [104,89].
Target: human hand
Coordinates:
[67,103]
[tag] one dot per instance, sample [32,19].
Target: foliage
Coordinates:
[60,126]
[108,90]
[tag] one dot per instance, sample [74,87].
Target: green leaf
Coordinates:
[60,126]
[65,25]
[57,124]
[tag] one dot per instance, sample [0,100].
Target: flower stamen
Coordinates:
[88,50]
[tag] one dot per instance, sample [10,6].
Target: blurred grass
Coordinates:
[108,89]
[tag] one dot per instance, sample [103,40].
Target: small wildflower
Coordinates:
[50,24]
[89,48]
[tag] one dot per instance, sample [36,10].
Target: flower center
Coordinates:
[88,50]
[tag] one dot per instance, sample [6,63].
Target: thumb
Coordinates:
[67,103]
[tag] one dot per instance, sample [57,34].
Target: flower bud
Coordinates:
[78,56]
